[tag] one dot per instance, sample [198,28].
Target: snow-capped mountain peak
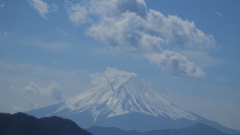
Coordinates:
[121,93]
[123,100]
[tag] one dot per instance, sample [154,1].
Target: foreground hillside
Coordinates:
[23,124]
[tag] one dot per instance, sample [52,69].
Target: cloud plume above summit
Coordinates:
[110,75]
[127,25]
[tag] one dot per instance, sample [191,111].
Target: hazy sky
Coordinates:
[189,50]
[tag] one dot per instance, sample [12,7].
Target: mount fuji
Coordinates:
[124,100]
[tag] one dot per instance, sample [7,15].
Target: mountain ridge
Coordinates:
[197,129]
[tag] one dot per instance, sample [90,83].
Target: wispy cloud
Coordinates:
[43,8]
[223,79]
[203,58]
[109,75]
[45,85]
[175,64]
[219,14]
[128,25]
[53,46]
[54,8]
[3,35]
[54,62]
[16,108]
[77,13]
[37,71]
[2,5]
[57,46]
[53,90]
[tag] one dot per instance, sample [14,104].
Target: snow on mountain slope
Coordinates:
[120,93]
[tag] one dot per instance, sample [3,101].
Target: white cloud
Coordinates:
[126,33]
[175,64]
[32,88]
[114,8]
[77,13]
[53,90]
[127,25]
[175,31]
[130,31]
[109,75]
[42,7]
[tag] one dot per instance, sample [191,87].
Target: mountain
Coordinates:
[197,129]
[96,130]
[23,124]
[125,101]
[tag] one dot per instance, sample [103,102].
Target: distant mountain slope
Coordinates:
[95,130]
[202,129]
[23,124]
[197,129]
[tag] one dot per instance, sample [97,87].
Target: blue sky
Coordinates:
[189,50]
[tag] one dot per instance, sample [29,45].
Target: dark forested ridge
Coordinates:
[63,126]
[23,124]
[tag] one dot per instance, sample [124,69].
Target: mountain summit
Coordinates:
[123,94]
[124,100]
